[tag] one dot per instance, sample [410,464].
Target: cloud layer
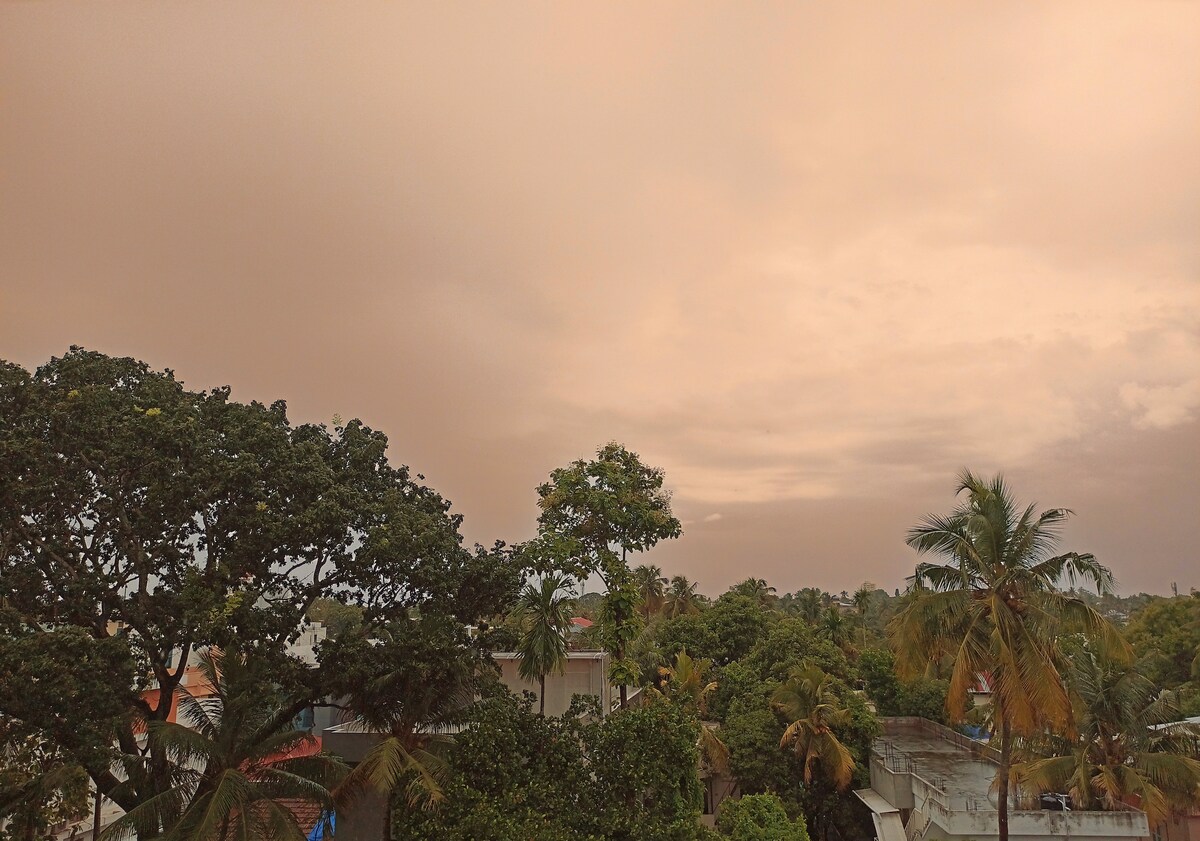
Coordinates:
[809,260]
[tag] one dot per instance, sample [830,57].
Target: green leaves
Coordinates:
[598,511]
[543,613]
[760,817]
[142,515]
[807,700]
[514,775]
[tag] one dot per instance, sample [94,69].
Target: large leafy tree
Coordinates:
[543,613]
[141,521]
[994,605]
[1165,634]
[233,763]
[1130,744]
[593,514]
[38,787]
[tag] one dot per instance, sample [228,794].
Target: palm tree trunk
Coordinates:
[1002,788]
[387,817]
[542,708]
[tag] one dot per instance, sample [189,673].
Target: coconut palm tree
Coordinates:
[543,612]
[757,589]
[862,601]
[994,605]
[231,764]
[834,624]
[687,683]
[807,700]
[1123,750]
[681,598]
[413,687]
[809,602]
[651,586]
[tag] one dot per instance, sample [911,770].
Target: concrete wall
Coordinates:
[1178,828]
[895,787]
[584,675]
[1039,825]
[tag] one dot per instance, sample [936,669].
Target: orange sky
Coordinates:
[809,259]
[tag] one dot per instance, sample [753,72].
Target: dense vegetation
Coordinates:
[141,522]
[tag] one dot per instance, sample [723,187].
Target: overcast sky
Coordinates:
[809,259]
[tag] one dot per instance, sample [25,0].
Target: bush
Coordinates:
[760,817]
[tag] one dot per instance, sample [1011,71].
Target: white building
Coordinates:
[928,782]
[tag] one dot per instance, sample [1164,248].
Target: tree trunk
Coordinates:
[387,816]
[542,707]
[96,815]
[1002,789]
[624,696]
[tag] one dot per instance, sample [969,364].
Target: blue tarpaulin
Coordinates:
[318,831]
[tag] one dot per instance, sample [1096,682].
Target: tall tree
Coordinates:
[594,513]
[995,605]
[809,602]
[1130,743]
[757,589]
[808,701]
[862,602]
[687,683]
[650,585]
[681,598]
[543,613]
[141,521]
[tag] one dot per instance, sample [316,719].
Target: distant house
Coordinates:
[585,673]
[982,688]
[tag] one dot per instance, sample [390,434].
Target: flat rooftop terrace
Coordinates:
[952,762]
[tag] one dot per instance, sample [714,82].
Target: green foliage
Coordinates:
[337,618]
[808,701]
[543,613]
[595,512]
[752,733]
[760,817]
[738,622]
[681,599]
[1166,636]
[39,786]
[515,775]
[72,689]
[877,669]
[995,605]
[791,642]
[158,521]
[1122,751]
[691,632]
[231,762]
[921,697]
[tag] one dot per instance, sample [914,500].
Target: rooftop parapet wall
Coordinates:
[948,777]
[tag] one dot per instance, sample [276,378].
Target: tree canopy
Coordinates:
[141,521]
